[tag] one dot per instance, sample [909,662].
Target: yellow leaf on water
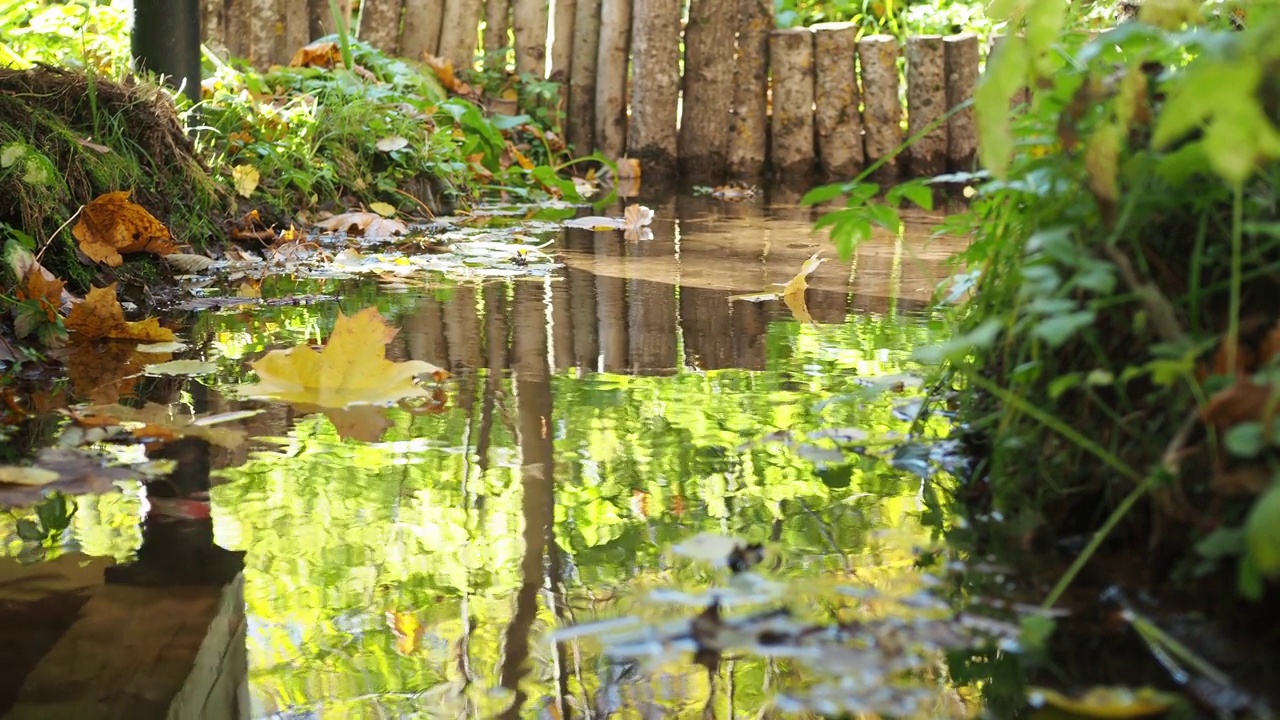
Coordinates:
[798,284]
[386,210]
[1116,703]
[246,179]
[24,475]
[100,317]
[352,369]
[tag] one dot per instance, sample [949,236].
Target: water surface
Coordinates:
[413,561]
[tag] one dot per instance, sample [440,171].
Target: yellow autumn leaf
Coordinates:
[1116,703]
[112,224]
[793,293]
[25,475]
[386,210]
[246,179]
[351,370]
[100,317]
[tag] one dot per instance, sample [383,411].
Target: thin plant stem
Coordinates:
[1233,314]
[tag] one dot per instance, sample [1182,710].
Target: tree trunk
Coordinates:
[611,78]
[655,86]
[836,119]
[926,104]
[748,140]
[882,116]
[791,66]
[497,31]
[708,91]
[529,18]
[460,32]
[962,77]
[321,20]
[582,76]
[380,24]
[422,21]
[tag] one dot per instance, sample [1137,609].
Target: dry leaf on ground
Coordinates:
[47,290]
[363,223]
[190,264]
[391,143]
[323,54]
[793,292]
[246,179]
[352,369]
[100,317]
[448,78]
[112,224]
[181,367]
[74,472]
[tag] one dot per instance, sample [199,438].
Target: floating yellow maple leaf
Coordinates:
[112,224]
[100,317]
[351,370]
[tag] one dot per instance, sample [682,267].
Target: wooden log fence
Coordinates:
[754,103]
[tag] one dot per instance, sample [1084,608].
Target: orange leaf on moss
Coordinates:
[325,54]
[112,224]
[100,317]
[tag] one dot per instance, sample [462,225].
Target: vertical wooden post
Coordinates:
[926,104]
[422,21]
[213,23]
[529,21]
[297,29]
[611,78]
[837,122]
[791,68]
[655,87]
[321,20]
[748,139]
[562,46]
[611,303]
[260,23]
[497,33]
[459,33]
[962,77]
[380,24]
[882,115]
[582,77]
[708,91]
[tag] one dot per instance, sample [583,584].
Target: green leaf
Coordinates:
[956,349]
[1005,74]
[1222,543]
[507,122]
[1034,632]
[1245,440]
[1263,532]
[885,216]
[823,193]
[1060,328]
[1063,383]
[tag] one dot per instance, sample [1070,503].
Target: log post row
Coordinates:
[611,78]
[562,32]
[926,104]
[655,87]
[791,137]
[748,140]
[962,78]
[837,121]
[708,91]
[882,116]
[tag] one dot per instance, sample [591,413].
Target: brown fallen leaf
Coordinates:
[112,224]
[352,369]
[100,317]
[47,290]
[443,69]
[317,54]
[368,224]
